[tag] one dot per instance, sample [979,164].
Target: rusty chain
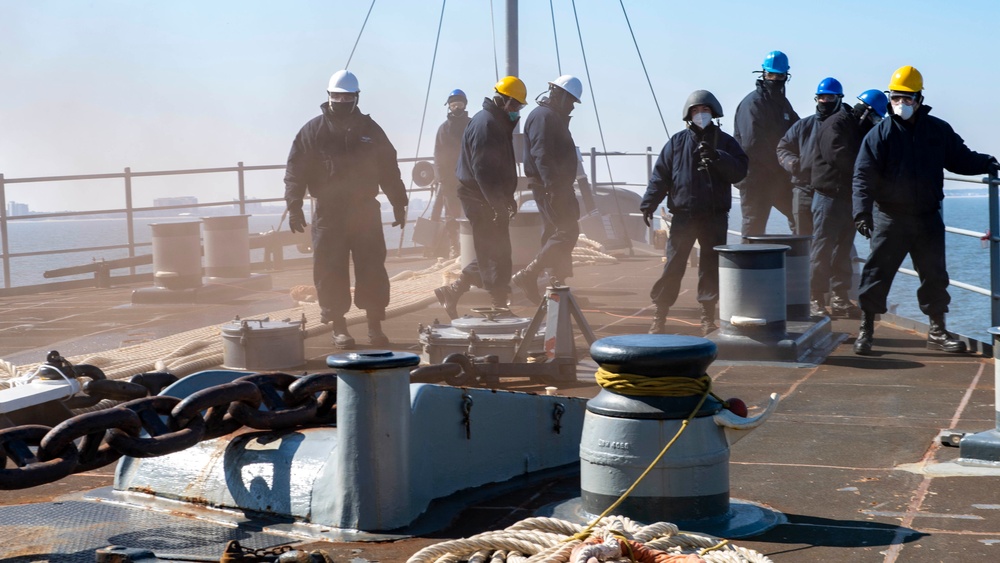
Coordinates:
[158,425]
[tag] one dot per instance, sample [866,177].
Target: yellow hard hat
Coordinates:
[513,87]
[906,79]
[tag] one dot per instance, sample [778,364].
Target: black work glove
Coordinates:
[398,216]
[296,220]
[647,217]
[994,166]
[511,209]
[707,152]
[863,223]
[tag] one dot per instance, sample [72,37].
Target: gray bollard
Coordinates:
[797,271]
[372,460]
[623,434]
[177,255]
[752,291]
[983,448]
[227,246]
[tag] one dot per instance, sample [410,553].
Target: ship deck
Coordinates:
[851,457]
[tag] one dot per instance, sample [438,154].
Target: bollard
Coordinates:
[227,246]
[984,447]
[752,291]
[177,255]
[623,431]
[797,271]
[372,459]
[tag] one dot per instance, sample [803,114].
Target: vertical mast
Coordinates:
[511,37]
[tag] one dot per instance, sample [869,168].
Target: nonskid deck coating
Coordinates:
[849,457]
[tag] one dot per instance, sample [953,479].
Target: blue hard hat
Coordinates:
[776,62]
[876,99]
[830,85]
[456,94]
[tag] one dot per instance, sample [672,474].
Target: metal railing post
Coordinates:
[5,248]
[129,216]
[242,188]
[649,164]
[994,251]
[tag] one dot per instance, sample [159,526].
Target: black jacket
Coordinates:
[343,162]
[795,150]
[901,166]
[837,141]
[549,151]
[687,189]
[762,119]
[447,146]
[486,169]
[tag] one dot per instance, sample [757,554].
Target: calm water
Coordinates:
[968,261]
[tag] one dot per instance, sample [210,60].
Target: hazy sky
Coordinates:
[95,86]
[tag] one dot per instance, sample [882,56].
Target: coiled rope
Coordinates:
[614,538]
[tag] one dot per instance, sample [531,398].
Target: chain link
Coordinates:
[158,425]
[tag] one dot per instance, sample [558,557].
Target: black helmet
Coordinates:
[702,97]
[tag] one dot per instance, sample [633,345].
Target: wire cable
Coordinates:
[600,131]
[643,63]
[423,116]
[493,30]
[555,38]
[363,24]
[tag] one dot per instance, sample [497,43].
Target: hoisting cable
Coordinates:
[555,38]
[600,131]
[359,35]
[423,116]
[493,30]
[643,63]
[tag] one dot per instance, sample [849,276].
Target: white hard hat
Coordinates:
[343,81]
[569,83]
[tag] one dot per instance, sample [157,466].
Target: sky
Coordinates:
[92,87]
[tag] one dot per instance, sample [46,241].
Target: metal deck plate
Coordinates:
[71,531]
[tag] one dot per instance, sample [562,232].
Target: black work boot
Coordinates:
[708,319]
[500,300]
[938,337]
[341,338]
[816,306]
[376,337]
[866,334]
[659,325]
[842,307]
[448,295]
[527,281]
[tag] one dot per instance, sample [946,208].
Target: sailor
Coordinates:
[695,172]
[550,163]
[446,149]
[487,176]
[342,158]
[762,119]
[837,141]
[795,154]
[898,188]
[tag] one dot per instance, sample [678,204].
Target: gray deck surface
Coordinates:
[843,458]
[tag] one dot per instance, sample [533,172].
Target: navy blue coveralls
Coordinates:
[487,176]
[699,201]
[447,145]
[342,162]
[762,119]
[899,179]
[794,153]
[550,162]
[837,141]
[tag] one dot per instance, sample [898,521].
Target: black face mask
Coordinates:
[775,87]
[826,109]
[459,113]
[341,109]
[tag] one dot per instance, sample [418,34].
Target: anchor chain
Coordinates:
[159,425]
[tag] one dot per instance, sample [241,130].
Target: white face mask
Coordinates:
[903,111]
[701,119]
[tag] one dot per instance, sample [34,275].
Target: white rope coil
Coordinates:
[548,540]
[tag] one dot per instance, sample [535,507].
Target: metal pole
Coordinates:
[129,216]
[994,252]
[242,188]
[3,233]
[511,37]
[649,164]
